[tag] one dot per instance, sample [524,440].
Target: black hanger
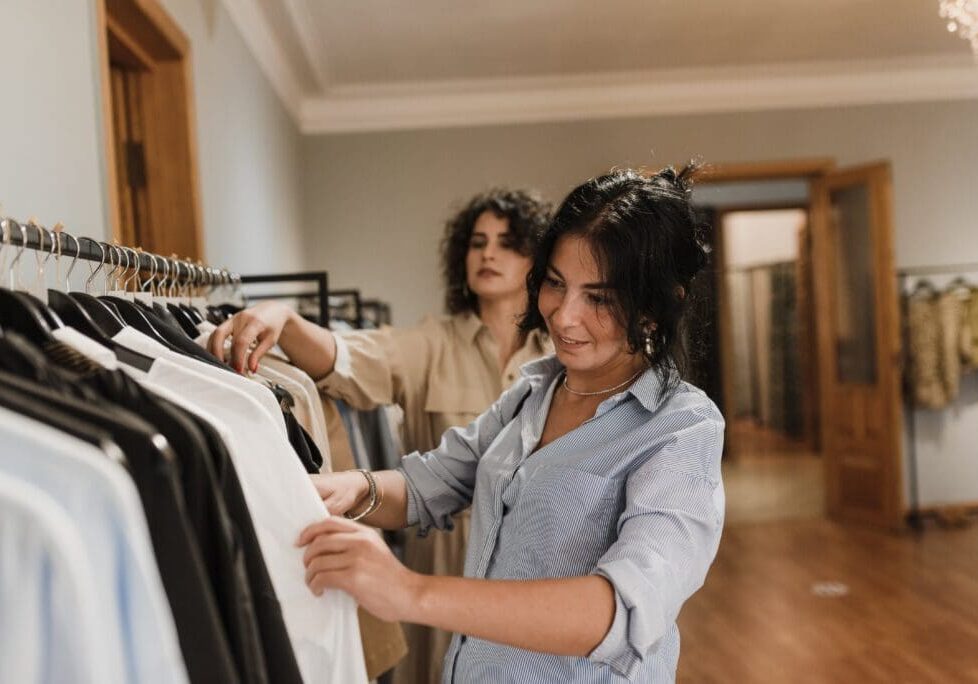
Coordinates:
[19,313]
[133,316]
[107,318]
[73,314]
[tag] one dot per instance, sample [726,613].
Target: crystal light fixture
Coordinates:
[962,18]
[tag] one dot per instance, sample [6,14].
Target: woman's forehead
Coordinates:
[574,257]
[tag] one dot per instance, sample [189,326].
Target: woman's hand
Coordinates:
[342,554]
[341,492]
[260,325]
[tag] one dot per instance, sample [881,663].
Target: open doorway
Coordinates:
[803,340]
[772,468]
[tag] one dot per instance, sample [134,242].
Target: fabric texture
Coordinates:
[50,622]
[101,499]
[634,494]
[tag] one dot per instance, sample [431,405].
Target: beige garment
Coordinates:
[317,418]
[950,310]
[442,373]
[969,332]
[925,352]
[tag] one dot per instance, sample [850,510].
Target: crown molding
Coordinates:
[280,72]
[476,102]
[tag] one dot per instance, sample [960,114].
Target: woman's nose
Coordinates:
[565,315]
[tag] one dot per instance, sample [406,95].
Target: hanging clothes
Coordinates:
[969,331]
[94,489]
[51,625]
[950,309]
[926,368]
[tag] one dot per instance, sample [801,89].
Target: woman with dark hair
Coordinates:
[594,481]
[443,373]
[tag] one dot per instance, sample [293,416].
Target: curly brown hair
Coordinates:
[528,216]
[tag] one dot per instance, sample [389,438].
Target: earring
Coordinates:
[465,290]
[649,348]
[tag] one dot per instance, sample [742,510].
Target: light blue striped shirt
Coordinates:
[634,494]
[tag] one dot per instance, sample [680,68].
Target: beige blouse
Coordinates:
[443,372]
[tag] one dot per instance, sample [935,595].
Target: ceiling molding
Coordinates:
[421,105]
[304,25]
[251,23]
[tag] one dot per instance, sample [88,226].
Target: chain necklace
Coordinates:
[604,391]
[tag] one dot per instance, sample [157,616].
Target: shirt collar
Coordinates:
[650,389]
[468,326]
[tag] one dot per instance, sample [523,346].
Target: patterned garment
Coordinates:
[634,494]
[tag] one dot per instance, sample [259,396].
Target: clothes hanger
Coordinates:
[106,318]
[182,317]
[17,311]
[75,315]
[131,313]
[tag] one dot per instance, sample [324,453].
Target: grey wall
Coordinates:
[374,204]
[51,150]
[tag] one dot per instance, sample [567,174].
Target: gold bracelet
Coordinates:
[373,505]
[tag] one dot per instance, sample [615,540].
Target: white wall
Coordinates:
[374,203]
[51,150]
[50,147]
[755,238]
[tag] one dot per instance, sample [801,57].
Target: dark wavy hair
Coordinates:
[647,241]
[528,216]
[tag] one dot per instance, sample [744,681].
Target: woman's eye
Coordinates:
[550,281]
[598,300]
[477,243]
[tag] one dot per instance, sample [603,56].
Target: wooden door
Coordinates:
[858,343]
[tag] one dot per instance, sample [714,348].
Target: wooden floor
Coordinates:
[774,487]
[910,614]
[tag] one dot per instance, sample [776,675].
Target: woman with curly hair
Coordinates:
[443,372]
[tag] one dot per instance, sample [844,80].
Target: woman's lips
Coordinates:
[486,272]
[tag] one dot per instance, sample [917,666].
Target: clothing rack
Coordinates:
[357,304]
[320,278]
[62,243]
[903,276]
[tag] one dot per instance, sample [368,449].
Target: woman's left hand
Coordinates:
[342,554]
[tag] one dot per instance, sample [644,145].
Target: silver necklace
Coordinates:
[604,391]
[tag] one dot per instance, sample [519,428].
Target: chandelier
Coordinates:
[962,18]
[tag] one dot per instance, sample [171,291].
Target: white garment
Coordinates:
[52,629]
[101,499]
[308,408]
[133,339]
[86,346]
[324,630]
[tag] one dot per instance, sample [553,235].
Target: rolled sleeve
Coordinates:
[668,537]
[362,374]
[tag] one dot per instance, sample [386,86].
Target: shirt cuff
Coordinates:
[428,499]
[342,364]
[632,635]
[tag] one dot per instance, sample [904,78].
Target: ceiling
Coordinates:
[439,62]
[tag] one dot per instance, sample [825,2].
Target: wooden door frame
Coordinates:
[887,332]
[147,35]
